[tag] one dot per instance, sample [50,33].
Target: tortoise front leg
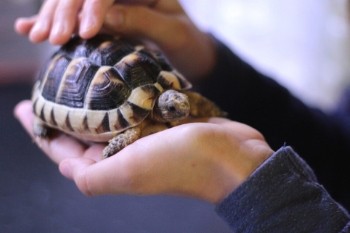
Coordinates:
[121,140]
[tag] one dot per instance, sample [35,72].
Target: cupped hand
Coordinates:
[205,160]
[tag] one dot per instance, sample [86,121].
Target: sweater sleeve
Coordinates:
[283,195]
[259,101]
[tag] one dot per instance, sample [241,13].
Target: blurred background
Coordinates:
[303,44]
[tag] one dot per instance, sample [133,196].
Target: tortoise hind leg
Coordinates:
[40,129]
[203,107]
[121,140]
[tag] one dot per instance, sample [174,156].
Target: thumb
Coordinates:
[139,21]
[108,176]
[76,169]
[189,49]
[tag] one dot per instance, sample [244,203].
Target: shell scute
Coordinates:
[137,69]
[107,91]
[122,122]
[50,82]
[161,60]
[77,47]
[110,53]
[104,126]
[75,82]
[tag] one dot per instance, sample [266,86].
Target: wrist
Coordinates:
[193,52]
[237,168]
[205,57]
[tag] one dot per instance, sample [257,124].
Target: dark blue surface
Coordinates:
[34,197]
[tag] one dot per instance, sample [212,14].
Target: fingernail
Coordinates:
[84,26]
[56,31]
[36,29]
[18,22]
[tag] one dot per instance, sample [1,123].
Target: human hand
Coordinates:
[165,24]
[57,20]
[206,160]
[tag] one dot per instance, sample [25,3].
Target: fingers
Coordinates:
[42,27]
[24,25]
[55,21]
[174,161]
[58,19]
[92,15]
[159,163]
[23,112]
[140,168]
[64,21]
[75,169]
[90,177]
[106,177]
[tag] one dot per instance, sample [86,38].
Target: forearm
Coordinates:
[259,101]
[283,195]
[253,98]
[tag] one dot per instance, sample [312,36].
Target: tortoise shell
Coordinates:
[97,88]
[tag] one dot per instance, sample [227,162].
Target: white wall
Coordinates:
[304,44]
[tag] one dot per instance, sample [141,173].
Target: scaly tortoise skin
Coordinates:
[111,89]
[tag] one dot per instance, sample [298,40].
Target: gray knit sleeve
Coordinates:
[283,195]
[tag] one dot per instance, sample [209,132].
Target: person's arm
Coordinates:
[181,160]
[265,196]
[162,23]
[57,20]
[239,89]
[257,100]
[283,195]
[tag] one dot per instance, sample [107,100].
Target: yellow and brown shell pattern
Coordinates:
[97,88]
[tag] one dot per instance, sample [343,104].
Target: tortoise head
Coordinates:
[171,106]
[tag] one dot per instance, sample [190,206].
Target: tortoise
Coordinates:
[112,89]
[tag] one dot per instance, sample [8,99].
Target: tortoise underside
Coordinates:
[95,125]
